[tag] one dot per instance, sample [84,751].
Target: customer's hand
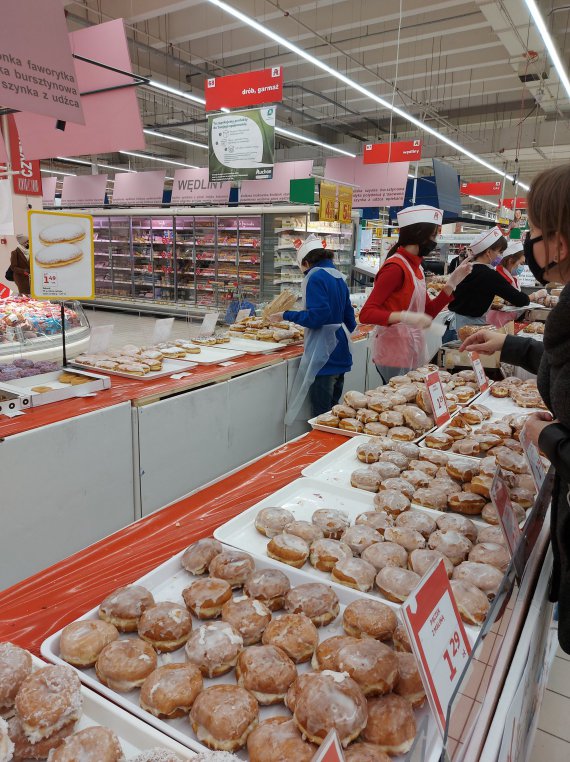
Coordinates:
[415,319]
[485,342]
[277,317]
[458,275]
[534,425]
[540,294]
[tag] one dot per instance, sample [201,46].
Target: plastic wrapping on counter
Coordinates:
[46,602]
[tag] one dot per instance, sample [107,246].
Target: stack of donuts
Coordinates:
[522,393]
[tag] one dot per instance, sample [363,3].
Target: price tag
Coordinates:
[100,339]
[438,639]
[227,363]
[437,396]
[507,519]
[480,374]
[208,324]
[162,330]
[243,314]
[536,465]
[178,376]
[330,750]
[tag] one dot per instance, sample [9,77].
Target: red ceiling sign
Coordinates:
[250,89]
[28,180]
[481,189]
[383,153]
[521,203]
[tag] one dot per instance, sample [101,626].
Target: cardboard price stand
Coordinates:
[330,750]
[435,389]
[481,376]
[536,465]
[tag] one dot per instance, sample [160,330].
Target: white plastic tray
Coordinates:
[59,391]
[215,355]
[351,434]
[166,582]
[253,346]
[168,368]
[135,736]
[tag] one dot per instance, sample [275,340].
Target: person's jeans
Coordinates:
[325,391]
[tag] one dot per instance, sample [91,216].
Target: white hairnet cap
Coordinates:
[310,243]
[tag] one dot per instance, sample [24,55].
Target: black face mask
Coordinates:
[425,249]
[532,264]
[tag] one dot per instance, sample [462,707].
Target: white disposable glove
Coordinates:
[415,319]
[459,274]
[540,294]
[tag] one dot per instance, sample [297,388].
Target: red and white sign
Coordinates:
[330,750]
[521,203]
[139,187]
[48,188]
[276,189]
[253,88]
[28,180]
[437,397]
[480,374]
[481,189]
[507,519]
[192,186]
[383,153]
[84,190]
[4,291]
[438,639]
[374,184]
[536,465]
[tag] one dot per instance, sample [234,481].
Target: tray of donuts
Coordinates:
[268,679]
[45,713]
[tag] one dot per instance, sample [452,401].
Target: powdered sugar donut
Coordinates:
[15,666]
[62,232]
[59,255]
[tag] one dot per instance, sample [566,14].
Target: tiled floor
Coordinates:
[552,741]
[137,329]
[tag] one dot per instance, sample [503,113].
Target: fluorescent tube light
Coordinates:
[55,172]
[549,44]
[483,200]
[175,91]
[89,164]
[157,158]
[175,139]
[314,141]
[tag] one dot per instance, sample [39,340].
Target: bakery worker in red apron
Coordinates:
[512,264]
[399,304]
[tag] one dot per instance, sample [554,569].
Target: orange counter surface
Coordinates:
[42,604]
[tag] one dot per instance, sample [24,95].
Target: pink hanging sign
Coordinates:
[139,187]
[276,189]
[84,190]
[374,184]
[192,186]
[48,188]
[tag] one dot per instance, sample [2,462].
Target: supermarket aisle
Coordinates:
[137,329]
[552,741]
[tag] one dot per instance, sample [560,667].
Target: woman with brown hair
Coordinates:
[547,253]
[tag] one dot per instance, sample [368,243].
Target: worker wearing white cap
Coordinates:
[512,263]
[328,319]
[474,297]
[399,304]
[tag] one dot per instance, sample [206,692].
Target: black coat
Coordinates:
[550,360]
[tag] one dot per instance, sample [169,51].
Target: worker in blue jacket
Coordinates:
[328,319]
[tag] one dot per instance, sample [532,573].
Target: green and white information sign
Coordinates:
[242,145]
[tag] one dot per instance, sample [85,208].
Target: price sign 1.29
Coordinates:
[480,374]
[437,397]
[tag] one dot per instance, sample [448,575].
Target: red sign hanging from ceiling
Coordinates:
[250,89]
[481,189]
[383,153]
[521,203]
[28,180]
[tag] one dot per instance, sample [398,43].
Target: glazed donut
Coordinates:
[438,441]
[355,400]
[24,749]
[378,520]
[371,664]
[170,690]
[409,449]
[499,390]
[380,403]
[455,432]
[270,586]
[365,752]
[277,739]
[166,626]
[480,485]
[469,446]
[272,521]
[15,667]
[525,482]
[266,672]
[325,554]
[366,416]
[125,664]
[400,485]
[369,619]
[368,452]
[329,700]
[295,634]
[196,558]
[391,418]
[484,576]
[81,642]
[223,716]
[392,502]
[409,539]
[467,503]
[433,456]
[488,465]
[386,554]
[351,424]
[461,471]
[472,604]
[430,497]
[416,478]
[424,465]
[365,478]
[343,411]
[458,524]
[331,522]
[375,429]
[396,584]
[354,572]
[124,607]
[234,566]
[422,559]
[391,724]
[485,411]
[401,640]
[513,444]
[417,419]
[95,744]
[500,428]
[402,433]
[359,537]
[409,684]
[488,441]
[452,544]
[417,521]
[6,743]
[397,459]
[493,534]
[289,549]
[314,599]
[329,420]
[214,648]
[305,530]
[491,553]
[48,700]
[205,597]
[524,497]
[512,461]
[248,617]
[326,656]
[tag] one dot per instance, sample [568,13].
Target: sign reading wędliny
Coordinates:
[242,145]
[61,255]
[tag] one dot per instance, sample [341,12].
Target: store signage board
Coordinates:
[327,202]
[437,396]
[480,374]
[536,465]
[139,187]
[384,153]
[162,330]
[330,750]
[252,88]
[27,180]
[373,184]
[278,188]
[66,269]
[208,324]
[519,203]
[507,519]
[344,210]
[100,339]
[241,145]
[48,190]
[193,186]
[438,639]
[482,189]
[37,70]
[84,190]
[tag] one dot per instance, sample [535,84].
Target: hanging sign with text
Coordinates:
[28,179]
[327,202]
[252,88]
[193,186]
[242,145]
[481,189]
[383,153]
[501,500]
[139,187]
[480,374]
[344,210]
[373,184]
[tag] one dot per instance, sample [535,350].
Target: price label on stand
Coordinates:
[208,324]
[480,374]
[438,639]
[437,397]
[162,330]
[536,465]
[243,314]
[100,339]
[507,519]
[330,750]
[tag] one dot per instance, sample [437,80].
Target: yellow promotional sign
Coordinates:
[327,206]
[344,205]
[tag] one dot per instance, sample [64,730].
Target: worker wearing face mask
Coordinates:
[512,264]
[399,304]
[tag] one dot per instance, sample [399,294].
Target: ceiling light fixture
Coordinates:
[55,172]
[309,139]
[157,158]
[174,91]
[89,164]
[549,44]
[483,200]
[175,139]
[359,88]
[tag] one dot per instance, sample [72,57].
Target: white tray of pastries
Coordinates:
[57,385]
[224,714]
[110,727]
[253,346]
[215,355]
[135,369]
